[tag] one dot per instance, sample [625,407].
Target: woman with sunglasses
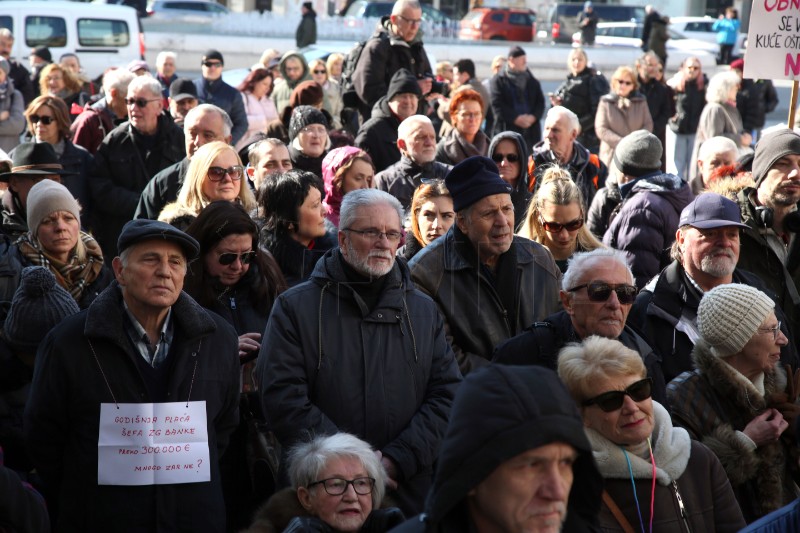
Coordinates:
[510,153]
[337,485]
[215,173]
[48,122]
[295,230]
[555,218]
[737,400]
[657,479]
[465,138]
[256,89]
[332,102]
[620,112]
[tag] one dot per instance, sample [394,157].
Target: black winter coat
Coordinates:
[689,104]
[163,189]
[227,98]
[325,365]
[378,136]
[580,93]
[62,416]
[402,178]
[77,160]
[755,99]
[508,102]
[659,103]
[475,316]
[121,174]
[586,169]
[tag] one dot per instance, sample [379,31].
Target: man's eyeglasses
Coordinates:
[775,331]
[413,22]
[212,64]
[337,486]
[511,158]
[600,291]
[45,120]
[373,234]
[229,258]
[218,173]
[612,400]
[555,227]
[140,102]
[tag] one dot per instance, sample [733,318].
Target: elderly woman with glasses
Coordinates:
[338,485]
[620,112]
[308,139]
[215,173]
[737,401]
[465,139]
[555,218]
[55,80]
[656,477]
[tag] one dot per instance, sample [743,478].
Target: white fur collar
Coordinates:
[671,448]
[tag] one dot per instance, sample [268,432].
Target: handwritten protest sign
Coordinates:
[153,444]
[773,42]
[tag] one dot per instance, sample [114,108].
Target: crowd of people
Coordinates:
[391,296]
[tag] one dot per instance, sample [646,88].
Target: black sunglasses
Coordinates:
[511,158]
[218,173]
[45,120]
[555,227]
[612,400]
[211,64]
[140,102]
[600,291]
[245,257]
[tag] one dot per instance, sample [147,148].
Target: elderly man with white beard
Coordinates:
[358,348]
[705,253]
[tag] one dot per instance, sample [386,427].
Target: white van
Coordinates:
[100,35]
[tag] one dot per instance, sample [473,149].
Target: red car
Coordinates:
[498,24]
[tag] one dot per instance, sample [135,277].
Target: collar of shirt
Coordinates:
[141,342]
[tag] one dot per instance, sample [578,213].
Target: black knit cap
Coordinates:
[39,304]
[772,147]
[304,115]
[42,52]
[213,55]
[140,229]
[474,178]
[403,82]
[516,51]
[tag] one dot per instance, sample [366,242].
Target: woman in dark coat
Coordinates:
[465,139]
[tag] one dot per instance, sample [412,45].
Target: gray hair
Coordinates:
[402,5]
[254,153]
[581,263]
[716,145]
[307,460]
[227,123]
[355,200]
[410,123]
[641,60]
[164,55]
[118,79]
[6,33]
[572,118]
[720,85]
[145,82]
[125,255]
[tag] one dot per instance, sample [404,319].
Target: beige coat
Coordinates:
[612,123]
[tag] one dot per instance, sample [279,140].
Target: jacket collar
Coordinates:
[455,261]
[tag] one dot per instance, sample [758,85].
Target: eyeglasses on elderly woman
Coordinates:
[336,486]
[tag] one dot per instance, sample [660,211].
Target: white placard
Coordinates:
[153,444]
[773,42]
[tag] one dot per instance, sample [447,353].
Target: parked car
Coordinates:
[629,35]
[498,24]
[102,35]
[188,11]
[700,28]
[433,21]
[562,19]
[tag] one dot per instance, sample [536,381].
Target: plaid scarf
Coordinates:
[72,275]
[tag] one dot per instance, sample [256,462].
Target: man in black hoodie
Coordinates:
[514,458]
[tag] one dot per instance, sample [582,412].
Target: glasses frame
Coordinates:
[594,290]
[45,120]
[228,258]
[140,102]
[225,172]
[774,331]
[611,401]
[555,227]
[413,22]
[347,483]
[375,235]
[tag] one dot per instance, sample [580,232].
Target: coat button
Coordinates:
[380,315]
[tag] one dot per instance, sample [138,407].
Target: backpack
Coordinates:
[349,95]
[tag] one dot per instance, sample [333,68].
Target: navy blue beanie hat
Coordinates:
[474,178]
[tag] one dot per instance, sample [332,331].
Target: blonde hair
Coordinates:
[624,71]
[71,82]
[191,195]
[557,188]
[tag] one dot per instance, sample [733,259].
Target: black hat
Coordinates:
[711,210]
[638,153]
[140,229]
[181,89]
[213,54]
[39,304]
[403,82]
[474,178]
[302,116]
[516,51]
[42,52]
[34,159]
[308,5]
[772,147]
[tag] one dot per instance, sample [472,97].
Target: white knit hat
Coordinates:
[729,316]
[47,197]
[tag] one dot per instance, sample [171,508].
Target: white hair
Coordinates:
[402,5]
[355,200]
[227,123]
[164,55]
[582,262]
[405,128]
[572,118]
[716,145]
[118,79]
[145,82]
[720,85]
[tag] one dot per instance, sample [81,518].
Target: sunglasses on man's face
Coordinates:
[612,400]
[245,257]
[45,120]
[140,102]
[600,291]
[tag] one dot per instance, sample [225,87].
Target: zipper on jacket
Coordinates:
[684,515]
[233,303]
